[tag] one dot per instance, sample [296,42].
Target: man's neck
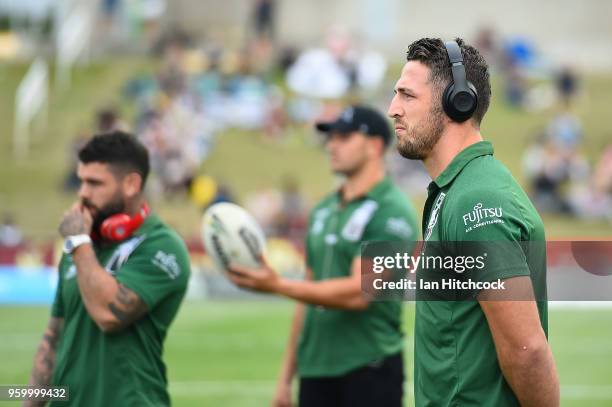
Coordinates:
[134,206]
[360,183]
[455,139]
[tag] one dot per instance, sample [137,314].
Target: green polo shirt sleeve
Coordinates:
[57,308]
[157,270]
[487,221]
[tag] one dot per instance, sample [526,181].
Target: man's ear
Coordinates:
[132,184]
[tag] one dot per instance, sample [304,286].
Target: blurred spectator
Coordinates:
[12,243]
[487,43]
[287,57]
[174,36]
[224,194]
[265,206]
[71,181]
[333,71]
[151,12]
[292,219]
[567,85]
[515,85]
[263,19]
[550,170]
[276,118]
[10,234]
[593,199]
[171,137]
[205,192]
[602,176]
[108,120]
[517,61]
[565,130]
[317,74]
[110,11]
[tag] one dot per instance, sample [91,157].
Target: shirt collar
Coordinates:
[379,188]
[374,192]
[461,160]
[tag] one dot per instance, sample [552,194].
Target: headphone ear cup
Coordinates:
[116,227]
[466,102]
[460,106]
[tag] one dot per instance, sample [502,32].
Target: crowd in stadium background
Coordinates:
[204,87]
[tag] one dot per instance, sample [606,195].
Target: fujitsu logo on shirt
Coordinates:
[480,213]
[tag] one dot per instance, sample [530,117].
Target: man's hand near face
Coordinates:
[111,305]
[76,221]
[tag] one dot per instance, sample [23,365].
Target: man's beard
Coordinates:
[115,206]
[424,134]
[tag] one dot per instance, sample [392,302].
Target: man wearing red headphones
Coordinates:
[122,279]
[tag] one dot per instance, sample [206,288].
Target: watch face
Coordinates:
[68,246]
[72,242]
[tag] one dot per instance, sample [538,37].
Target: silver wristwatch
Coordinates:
[72,242]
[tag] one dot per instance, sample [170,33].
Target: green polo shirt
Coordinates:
[334,341]
[474,199]
[123,368]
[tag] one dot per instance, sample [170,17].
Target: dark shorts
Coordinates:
[380,384]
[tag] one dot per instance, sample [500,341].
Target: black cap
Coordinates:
[359,118]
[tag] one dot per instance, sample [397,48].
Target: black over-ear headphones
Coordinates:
[460,98]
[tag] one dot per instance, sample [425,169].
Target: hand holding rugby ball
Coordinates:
[232,236]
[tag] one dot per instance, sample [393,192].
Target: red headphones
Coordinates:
[121,226]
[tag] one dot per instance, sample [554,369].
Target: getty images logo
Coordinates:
[480,216]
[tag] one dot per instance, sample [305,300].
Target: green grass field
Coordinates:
[228,353]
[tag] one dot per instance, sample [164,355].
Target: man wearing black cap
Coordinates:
[346,350]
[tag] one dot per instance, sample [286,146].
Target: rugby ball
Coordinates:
[231,235]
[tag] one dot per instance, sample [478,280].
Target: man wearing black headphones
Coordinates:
[486,347]
[122,279]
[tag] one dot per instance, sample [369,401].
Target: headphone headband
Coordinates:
[457,67]
[454,52]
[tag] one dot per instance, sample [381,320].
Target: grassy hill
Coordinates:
[246,161]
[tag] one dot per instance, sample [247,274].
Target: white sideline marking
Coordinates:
[580,304]
[586,392]
[266,387]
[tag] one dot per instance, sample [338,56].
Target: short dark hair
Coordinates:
[432,53]
[120,150]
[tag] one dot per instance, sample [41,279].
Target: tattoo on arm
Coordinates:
[73,224]
[127,306]
[44,361]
